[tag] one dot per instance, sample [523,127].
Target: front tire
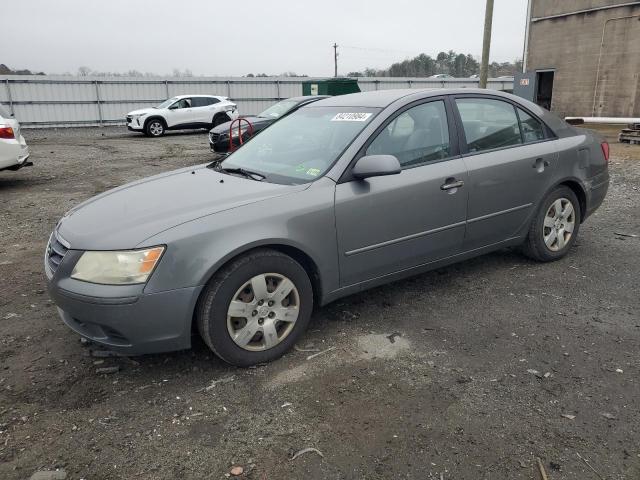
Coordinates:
[256,308]
[154,128]
[555,227]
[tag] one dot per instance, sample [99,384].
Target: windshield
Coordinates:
[167,102]
[279,109]
[302,146]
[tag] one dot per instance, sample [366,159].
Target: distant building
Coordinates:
[582,57]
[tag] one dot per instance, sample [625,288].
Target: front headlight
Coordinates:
[234,132]
[117,268]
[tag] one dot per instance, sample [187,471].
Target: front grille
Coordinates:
[129,118]
[56,250]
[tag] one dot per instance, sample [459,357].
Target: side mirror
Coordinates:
[376,166]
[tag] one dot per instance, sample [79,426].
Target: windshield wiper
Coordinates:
[217,166]
[245,173]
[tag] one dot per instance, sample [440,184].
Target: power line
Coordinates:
[383,50]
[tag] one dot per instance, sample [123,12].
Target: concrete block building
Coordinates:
[582,57]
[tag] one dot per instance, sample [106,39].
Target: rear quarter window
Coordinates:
[532,129]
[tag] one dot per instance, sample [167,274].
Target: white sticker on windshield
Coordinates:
[351,117]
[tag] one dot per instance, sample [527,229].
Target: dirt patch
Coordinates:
[426,378]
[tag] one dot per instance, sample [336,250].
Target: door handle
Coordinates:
[540,164]
[451,183]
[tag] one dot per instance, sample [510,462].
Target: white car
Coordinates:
[182,112]
[14,153]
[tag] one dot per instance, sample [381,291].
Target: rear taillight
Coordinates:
[605,151]
[6,133]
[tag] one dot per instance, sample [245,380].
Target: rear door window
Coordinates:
[199,102]
[203,101]
[488,124]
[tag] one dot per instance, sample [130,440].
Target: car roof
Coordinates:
[198,95]
[384,98]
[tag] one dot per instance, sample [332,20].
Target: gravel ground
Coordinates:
[468,372]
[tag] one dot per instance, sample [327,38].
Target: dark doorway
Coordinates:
[544,88]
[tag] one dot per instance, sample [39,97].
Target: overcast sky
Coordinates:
[214,37]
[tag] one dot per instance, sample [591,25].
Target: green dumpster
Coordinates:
[330,86]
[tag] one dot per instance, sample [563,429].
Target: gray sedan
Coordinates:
[345,194]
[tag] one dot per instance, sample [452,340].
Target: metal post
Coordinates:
[95,82]
[486,44]
[228,89]
[9,97]
[166,87]
[525,52]
[278,88]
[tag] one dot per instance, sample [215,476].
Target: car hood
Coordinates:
[143,111]
[259,122]
[126,216]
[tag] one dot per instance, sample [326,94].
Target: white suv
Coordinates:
[182,112]
[14,153]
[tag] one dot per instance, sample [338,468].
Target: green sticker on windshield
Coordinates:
[300,168]
[314,172]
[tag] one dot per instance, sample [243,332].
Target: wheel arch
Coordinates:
[283,246]
[222,114]
[155,117]
[576,187]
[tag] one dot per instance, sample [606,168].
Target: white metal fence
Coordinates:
[38,100]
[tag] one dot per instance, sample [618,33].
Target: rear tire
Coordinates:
[555,227]
[245,320]
[154,128]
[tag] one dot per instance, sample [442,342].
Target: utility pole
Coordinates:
[335,59]
[486,44]
[525,52]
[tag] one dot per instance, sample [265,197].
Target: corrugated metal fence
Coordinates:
[66,101]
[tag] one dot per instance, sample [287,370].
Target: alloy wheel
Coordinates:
[559,223]
[156,129]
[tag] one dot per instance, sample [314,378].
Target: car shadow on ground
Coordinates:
[168,134]
[9,183]
[326,320]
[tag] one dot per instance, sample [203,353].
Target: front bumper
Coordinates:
[220,143]
[135,124]
[122,318]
